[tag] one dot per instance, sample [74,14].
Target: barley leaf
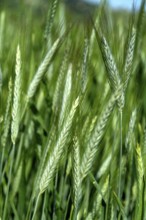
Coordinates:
[16,98]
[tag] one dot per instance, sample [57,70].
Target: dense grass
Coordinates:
[72,113]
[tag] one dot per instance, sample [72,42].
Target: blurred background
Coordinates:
[117,4]
[120,4]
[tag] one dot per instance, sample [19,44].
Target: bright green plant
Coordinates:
[72,114]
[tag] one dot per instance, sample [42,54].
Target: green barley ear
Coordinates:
[129,59]
[57,152]
[110,65]
[15,123]
[7,121]
[7,115]
[66,95]
[50,18]
[57,98]
[84,65]
[97,134]
[115,82]
[16,98]
[112,71]
[90,129]
[140,184]
[42,69]
[76,176]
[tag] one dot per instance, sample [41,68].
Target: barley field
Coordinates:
[72,112]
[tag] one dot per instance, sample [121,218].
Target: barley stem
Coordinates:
[9,182]
[36,206]
[121,152]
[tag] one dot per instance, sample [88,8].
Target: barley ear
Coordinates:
[76,175]
[57,98]
[7,114]
[57,152]
[110,65]
[140,184]
[84,64]
[129,59]
[42,69]
[16,97]
[97,134]
[112,71]
[50,18]
[90,129]
[66,95]
[6,126]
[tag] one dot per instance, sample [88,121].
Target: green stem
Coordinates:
[9,182]
[1,163]
[44,205]
[29,208]
[121,152]
[35,209]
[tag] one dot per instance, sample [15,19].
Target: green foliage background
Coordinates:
[72,132]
